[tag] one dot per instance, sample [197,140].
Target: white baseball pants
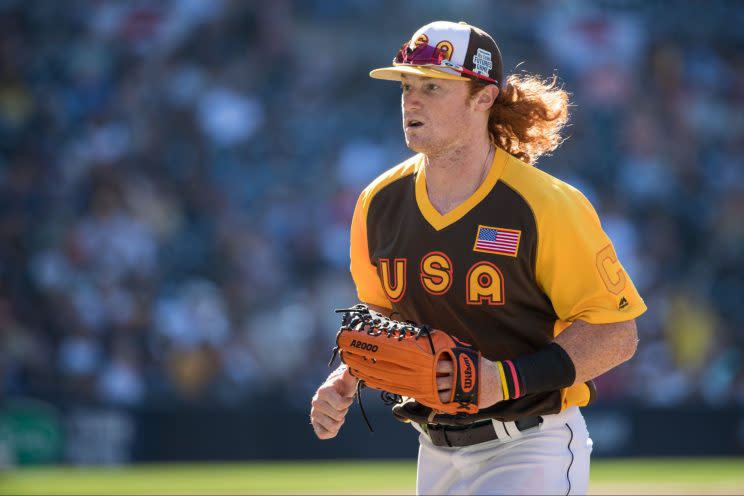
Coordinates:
[552,458]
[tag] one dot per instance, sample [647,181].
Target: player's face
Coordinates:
[436,114]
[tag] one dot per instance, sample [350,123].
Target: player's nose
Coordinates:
[410,101]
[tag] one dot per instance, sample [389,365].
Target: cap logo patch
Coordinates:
[447,49]
[421,40]
[482,62]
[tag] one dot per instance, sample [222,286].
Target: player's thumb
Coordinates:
[346,385]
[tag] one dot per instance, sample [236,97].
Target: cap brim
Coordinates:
[393,73]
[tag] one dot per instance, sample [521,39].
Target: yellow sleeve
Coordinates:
[578,268]
[368,285]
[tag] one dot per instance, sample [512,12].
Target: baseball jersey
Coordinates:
[507,270]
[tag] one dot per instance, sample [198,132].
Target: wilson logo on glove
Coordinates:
[467,378]
[405,360]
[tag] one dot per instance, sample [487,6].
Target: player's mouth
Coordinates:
[413,123]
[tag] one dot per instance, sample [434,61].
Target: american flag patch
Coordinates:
[497,240]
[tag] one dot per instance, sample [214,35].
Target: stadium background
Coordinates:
[177,180]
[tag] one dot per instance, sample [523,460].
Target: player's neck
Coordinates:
[452,177]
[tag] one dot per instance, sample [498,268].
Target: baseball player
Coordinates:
[470,237]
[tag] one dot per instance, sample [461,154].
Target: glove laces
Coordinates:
[359,318]
[388,399]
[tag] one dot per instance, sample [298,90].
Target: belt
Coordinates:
[467,435]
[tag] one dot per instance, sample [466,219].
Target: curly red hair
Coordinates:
[528,116]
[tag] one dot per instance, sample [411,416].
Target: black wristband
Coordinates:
[549,369]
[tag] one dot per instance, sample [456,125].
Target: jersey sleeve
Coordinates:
[577,266]
[368,285]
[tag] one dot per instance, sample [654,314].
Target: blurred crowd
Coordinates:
[177,180]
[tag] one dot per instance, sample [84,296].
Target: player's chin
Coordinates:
[416,143]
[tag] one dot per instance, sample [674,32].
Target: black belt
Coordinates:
[467,435]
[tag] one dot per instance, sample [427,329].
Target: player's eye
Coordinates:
[405,87]
[432,86]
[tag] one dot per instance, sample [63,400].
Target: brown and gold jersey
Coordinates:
[507,270]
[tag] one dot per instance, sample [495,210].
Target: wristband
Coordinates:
[549,369]
[510,381]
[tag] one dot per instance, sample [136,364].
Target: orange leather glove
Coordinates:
[401,358]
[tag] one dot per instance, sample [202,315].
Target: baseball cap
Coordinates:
[447,50]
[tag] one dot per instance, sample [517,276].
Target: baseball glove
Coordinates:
[401,358]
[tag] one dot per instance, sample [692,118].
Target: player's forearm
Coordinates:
[597,348]
[581,352]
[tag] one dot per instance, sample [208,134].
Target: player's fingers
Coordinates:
[340,403]
[445,367]
[324,408]
[322,432]
[444,395]
[444,382]
[333,398]
[328,423]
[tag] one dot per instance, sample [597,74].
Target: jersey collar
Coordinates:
[439,221]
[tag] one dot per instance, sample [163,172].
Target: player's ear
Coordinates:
[486,96]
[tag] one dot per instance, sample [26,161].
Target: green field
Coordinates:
[636,476]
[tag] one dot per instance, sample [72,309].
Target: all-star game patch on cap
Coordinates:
[447,50]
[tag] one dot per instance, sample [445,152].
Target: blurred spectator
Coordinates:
[177,180]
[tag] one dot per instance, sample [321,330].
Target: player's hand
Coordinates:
[490,388]
[331,402]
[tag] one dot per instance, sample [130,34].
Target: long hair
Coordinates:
[528,116]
